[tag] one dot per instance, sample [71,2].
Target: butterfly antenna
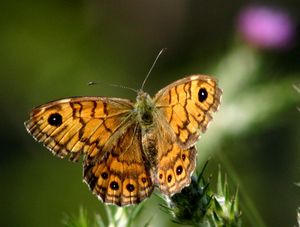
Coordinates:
[160,52]
[113,85]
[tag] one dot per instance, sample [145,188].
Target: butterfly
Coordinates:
[130,148]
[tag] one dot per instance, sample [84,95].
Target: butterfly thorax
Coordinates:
[144,109]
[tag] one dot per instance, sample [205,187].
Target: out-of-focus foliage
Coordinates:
[112,217]
[52,49]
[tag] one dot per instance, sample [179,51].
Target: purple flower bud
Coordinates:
[266,27]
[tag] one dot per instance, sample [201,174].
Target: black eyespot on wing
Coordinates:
[179,170]
[130,187]
[104,175]
[169,178]
[55,119]
[202,94]
[114,185]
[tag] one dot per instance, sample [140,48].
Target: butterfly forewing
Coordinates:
[76,125]
[187,105]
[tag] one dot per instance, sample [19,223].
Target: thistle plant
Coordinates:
[198,205]
[225,210]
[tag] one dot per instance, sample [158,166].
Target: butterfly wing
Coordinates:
[123,176]
[69,127]
[105,130]
[187,105]
[172,164]
[184,109]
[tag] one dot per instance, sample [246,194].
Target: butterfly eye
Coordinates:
[202,94]
[55,119]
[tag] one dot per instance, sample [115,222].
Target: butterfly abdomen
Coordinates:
[149,141]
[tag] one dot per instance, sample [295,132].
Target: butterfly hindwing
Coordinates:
[122,176]
[173,165]
[175,168]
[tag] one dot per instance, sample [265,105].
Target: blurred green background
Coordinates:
[51,49]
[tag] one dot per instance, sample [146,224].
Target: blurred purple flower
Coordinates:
[266,27]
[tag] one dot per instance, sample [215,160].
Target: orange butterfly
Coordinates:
[130,148]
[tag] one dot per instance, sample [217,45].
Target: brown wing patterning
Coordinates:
[187,105]
[175,169]
[122,176]
[69,126]
[184,110]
